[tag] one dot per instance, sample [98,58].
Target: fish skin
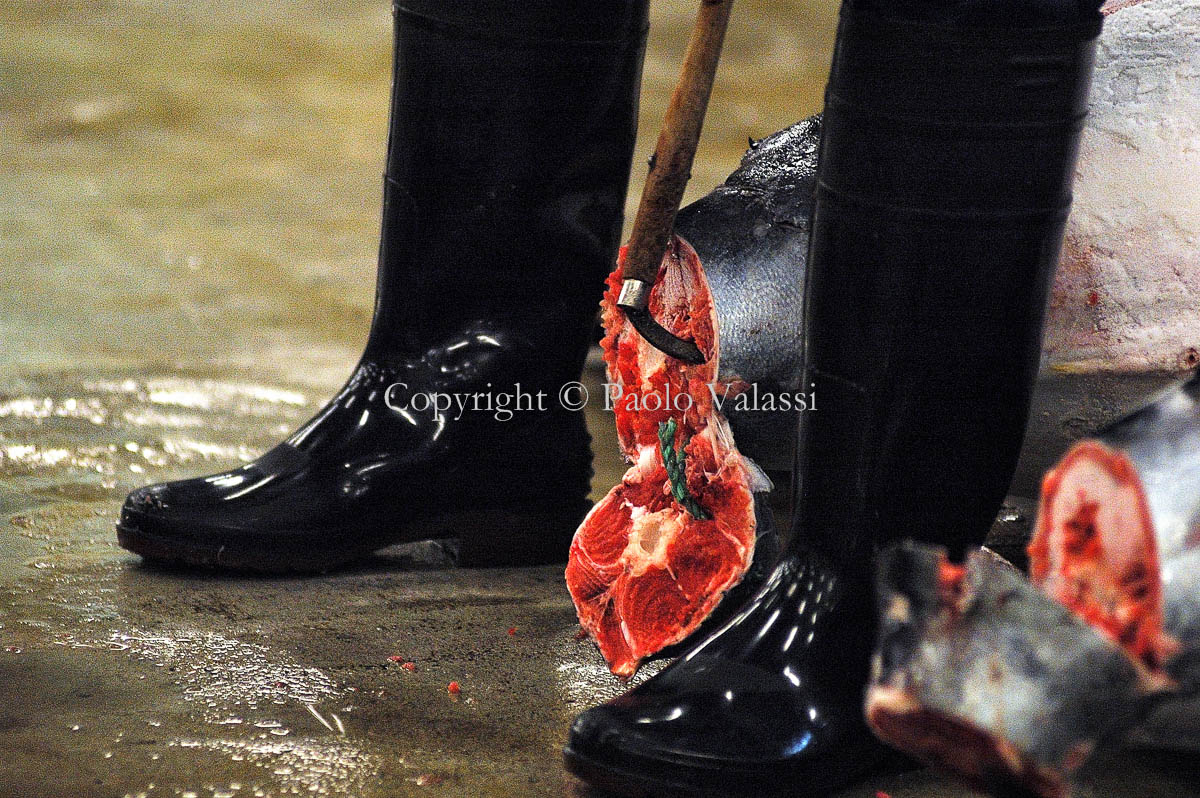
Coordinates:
[1024,688]
[751,233]
[1162,440]
[1012,670]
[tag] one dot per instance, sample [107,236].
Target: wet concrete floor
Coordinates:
[188,218]
[121,679]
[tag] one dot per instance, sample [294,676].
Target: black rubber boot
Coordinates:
[943,184]
[510,141]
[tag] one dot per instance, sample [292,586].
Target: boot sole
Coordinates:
[627,783]
[488,539]
[637,784]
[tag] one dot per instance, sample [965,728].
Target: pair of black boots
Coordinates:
[948,144]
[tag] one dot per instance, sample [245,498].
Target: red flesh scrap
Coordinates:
[642,571]
[1094,550]
[976,755]
[951,580]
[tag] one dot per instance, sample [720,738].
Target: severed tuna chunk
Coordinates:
[655,557]
[1118,532]
[1010,684]
[981,674]
[1094,550]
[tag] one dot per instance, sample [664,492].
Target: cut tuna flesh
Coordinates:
[1118,531]
[1093,550]
[653,387]
[643,572]
[654,558]
[981,674]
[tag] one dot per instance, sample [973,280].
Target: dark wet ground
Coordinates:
[120,679]
[188,211]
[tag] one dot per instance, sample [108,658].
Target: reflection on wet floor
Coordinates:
[241,686]
[188,211]
[163,682]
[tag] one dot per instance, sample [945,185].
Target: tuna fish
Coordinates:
[981,674]
[1117,538]
[1011,684]
[1123,318]
[1125,295]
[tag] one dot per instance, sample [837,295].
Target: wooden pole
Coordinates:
[671,166]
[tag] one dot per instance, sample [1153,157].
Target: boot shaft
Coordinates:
[943,187]
[509,144]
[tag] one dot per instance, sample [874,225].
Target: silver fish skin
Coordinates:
[1162,440]
[991,679]
[751,234]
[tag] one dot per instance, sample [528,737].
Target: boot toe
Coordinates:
[158,509]
[145,502]
[638,752]
[595,731]
[743,714]
[605,749]
[222,521]
[167,522]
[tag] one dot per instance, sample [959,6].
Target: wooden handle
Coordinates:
[671,166]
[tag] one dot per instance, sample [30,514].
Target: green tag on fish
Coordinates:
[675,461]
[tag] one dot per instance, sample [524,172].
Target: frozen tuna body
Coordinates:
[1125,294]
[751,235]
[1123,318]
[656,556]
[981,674]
